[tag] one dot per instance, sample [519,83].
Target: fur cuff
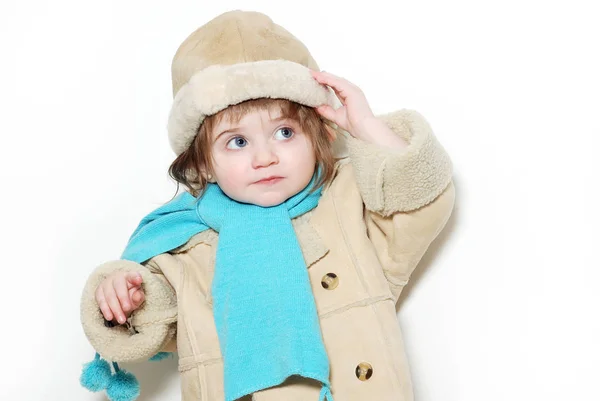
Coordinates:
[154,321]
[400,181]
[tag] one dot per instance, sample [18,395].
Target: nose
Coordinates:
[264,157]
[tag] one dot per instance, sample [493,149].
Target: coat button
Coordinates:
[330,281]
[364,371]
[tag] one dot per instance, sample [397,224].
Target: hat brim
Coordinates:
[215,88]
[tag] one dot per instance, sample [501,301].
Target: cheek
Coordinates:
[229,170]
[301,158]
[303,154]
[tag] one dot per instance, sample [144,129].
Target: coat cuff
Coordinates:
[154,321]
[401,180]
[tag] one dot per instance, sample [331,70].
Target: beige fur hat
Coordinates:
[238,56]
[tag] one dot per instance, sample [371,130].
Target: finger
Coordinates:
[137,297]
[327,81]
[327,112]
[134,279]
[336,116]
[338,81]
[113,302]
[103,305]
[340,86]
[122,289]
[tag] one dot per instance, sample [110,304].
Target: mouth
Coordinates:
[269,180]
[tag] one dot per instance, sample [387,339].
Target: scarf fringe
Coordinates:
[325,393]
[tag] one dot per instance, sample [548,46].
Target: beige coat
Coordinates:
[361,244]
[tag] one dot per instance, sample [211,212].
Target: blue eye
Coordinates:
[238,142]
[287,132]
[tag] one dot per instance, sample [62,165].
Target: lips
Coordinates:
[269,180]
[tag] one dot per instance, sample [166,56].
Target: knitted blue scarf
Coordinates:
[263,305]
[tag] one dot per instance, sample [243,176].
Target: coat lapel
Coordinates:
[312,246]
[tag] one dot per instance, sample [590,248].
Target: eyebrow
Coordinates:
[237,129]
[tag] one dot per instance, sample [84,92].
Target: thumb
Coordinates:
[327,112]
[134,280]
[137,297]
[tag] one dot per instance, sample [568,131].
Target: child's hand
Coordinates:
[120,294]
[355,114]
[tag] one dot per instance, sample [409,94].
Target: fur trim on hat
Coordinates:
[217,87]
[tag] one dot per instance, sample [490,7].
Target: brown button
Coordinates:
[330,281]
[364,371]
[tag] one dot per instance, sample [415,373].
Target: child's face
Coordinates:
[260,147]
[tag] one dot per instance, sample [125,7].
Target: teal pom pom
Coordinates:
[96,375]
[123,387]
[160,356]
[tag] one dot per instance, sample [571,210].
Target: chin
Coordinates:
[269,202]
[270,199]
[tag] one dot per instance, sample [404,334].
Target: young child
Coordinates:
[276,274]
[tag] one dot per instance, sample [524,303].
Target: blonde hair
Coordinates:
[187,168]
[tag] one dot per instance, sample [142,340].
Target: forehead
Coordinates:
[241,118]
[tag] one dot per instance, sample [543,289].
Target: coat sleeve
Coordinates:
[153,325]
[408,195]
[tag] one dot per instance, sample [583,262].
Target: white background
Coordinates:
[505,304]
